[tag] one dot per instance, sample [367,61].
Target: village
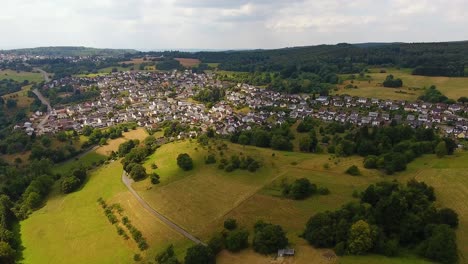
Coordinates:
[151,98]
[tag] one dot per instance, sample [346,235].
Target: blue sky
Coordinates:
[222,24]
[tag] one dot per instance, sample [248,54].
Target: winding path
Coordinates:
[128,182]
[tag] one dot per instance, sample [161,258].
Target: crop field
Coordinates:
[113,145]
[413,85]
[187,62]
[21,76]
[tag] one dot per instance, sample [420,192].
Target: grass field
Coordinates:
[201,199]
[77,231]
[23,101]
[452,87]
[21,76]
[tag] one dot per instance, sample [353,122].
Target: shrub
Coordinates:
[323,191]
[184,161]
[353,170]
[230,224]
[237,240]
[210,159]
[199,254]
[70,184]
[268,238]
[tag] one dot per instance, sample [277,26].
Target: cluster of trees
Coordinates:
[210,95]
[168,64]
[100,136]
[392,82]
[72,182]
[278,137]
[72,95]
[10,86]
[236,162]
[134,155]
[388,218]
[388,148]
[8,243]
[173,129]
[301,189]
[62,67]
[432,95]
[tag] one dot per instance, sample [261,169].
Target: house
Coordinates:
[287,252]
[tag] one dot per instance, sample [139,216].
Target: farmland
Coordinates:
[187,62]
[413,85]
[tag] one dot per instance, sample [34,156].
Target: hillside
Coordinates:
[66,51]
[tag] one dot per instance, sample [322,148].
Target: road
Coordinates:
[44,74]
[128,182]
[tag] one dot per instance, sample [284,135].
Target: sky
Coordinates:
[227,24]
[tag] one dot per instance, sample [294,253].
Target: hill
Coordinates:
[65,51]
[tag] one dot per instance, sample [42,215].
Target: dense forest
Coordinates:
[315,68]
[66,51]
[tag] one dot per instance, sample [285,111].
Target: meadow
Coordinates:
[187,62]
[201,199]
[21,76]
[413,85]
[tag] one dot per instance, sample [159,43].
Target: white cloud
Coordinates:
[226,24]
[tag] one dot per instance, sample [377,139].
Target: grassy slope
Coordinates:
[21,76]
[76,226]
[452,87]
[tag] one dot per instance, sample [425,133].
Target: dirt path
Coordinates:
[128,182]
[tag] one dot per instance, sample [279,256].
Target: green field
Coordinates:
[201,199]
[21,76]
[452,87]
[73,228]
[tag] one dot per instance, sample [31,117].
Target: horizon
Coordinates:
[230,49]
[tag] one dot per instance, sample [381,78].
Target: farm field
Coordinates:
[21,76]
[187,62]
[452,87]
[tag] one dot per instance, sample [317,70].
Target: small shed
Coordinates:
[287,252]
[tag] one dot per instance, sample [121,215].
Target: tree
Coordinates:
[184,161]
[360,238]
[7,253]
[199,254]
[216,243]
[447,216]
[301,189]
[353,170]
[167,256]
[441,245]
[154,178]
[70,184]
[243,139]
[237,240]
[441,149]
[138,172]
[230,224]
[268,238]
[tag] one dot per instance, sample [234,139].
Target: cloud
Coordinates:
[227,24]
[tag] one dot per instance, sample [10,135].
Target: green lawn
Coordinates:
[87,160]
[21,76]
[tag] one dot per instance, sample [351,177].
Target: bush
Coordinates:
[184,161]
[167,256]
[230,224]
[300,189]
[154,178]
[340,249]
[323,191]
[353,170]
[216,243]
[70,184]
[199,254]
[447,216]
[237,240]
[268,238]
[210,159]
